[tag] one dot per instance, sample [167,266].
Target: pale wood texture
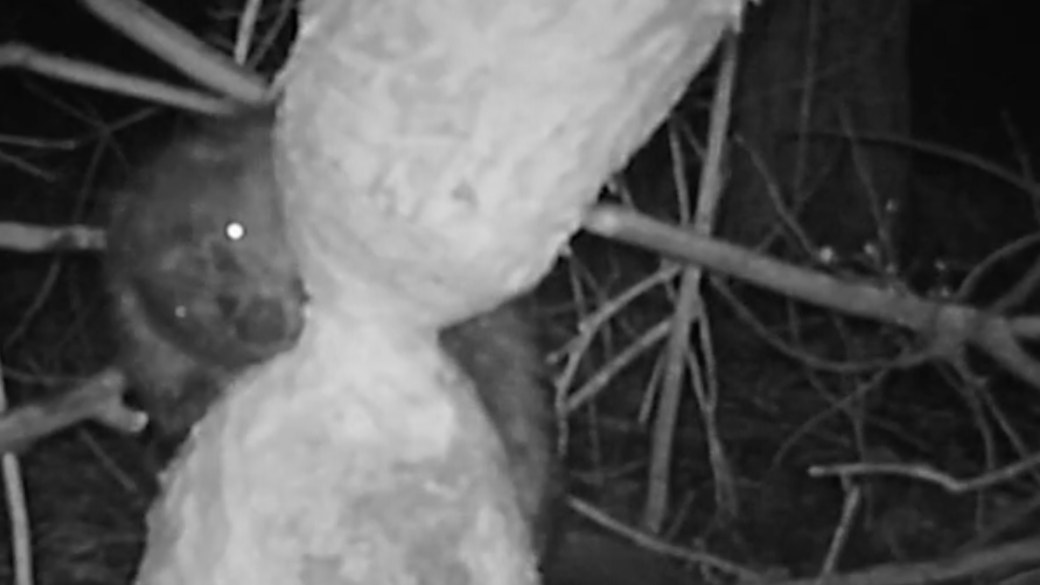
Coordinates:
[438,154]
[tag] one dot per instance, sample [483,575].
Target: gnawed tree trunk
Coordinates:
[438,153]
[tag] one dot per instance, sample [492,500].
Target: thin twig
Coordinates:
[17,510]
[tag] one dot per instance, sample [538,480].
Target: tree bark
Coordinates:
[815,74]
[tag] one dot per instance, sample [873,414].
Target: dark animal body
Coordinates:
[500,352]
[195,304]
[202,281]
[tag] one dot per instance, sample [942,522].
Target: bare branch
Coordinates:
[100,398]
[180,49]
[98,77]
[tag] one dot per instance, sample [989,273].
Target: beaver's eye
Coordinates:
[235,231]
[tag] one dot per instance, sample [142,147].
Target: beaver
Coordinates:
[204,285]
[201,279]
